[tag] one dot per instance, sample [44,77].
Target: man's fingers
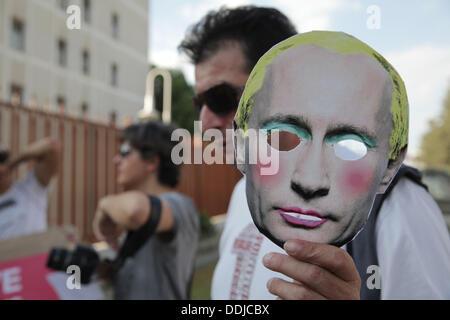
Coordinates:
[312,276]
[334,259]
[291,291]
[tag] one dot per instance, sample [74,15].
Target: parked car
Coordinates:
[438,182]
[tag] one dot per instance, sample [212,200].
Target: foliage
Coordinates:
[206,227]
[435,149]
[201,282]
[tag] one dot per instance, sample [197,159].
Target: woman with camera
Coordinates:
[161,225]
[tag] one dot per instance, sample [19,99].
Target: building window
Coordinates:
[114,75]
[62,53]
[84,111]
[63,4]
[61,104]
[115,26]
[87,11]
[18,35]
[112,118]
[86,62]
[16,94]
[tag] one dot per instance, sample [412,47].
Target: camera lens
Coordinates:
[57,259]
[85,257]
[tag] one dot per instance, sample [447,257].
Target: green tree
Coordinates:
[435,149]
[183,112]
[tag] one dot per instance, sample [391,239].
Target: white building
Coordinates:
[99,69]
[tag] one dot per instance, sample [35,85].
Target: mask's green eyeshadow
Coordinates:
[351,136]
[282,126]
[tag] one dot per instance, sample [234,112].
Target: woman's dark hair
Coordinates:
[154,139]
[257,29]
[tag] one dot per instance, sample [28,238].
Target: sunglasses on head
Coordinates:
[125,150]
[220,99]
[4,156]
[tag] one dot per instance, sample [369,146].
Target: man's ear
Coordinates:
[239,147]
[393,166]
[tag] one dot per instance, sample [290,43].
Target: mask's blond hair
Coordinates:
[342,43]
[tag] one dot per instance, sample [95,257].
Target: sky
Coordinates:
[413,35]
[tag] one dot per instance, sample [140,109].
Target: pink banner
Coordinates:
[26,279]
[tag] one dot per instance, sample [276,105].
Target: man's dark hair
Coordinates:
[257,29]
[154,139]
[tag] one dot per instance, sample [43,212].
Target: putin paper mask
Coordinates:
[333,114]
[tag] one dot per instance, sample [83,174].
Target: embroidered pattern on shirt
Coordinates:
[246,248]
[7,203]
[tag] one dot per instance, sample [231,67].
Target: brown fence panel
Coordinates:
[87,170]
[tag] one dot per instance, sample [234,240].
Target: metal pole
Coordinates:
[149,111]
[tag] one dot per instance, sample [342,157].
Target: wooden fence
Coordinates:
[87,172]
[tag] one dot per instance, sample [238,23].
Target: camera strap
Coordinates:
[136,239]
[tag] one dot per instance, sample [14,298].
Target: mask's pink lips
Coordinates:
[304,218]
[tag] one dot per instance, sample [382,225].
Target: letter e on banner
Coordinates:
[11,279]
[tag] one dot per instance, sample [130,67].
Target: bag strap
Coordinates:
[407,172]
[136,239]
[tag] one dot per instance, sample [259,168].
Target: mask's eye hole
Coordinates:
[350,149]
[286,140]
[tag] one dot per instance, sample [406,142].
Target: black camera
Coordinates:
[88,260]
[85,257]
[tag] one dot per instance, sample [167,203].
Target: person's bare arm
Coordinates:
[320,271]
[127,211]
[46,154]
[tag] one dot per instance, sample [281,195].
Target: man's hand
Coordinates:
[105,228]
[320,271]
[4,171]
[46,153]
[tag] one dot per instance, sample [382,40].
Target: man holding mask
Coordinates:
[224,46]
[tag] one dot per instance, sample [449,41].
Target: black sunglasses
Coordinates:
[4,156]
[220,99]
